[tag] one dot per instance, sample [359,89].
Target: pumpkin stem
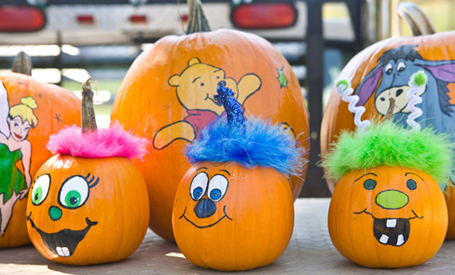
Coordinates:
[22,64]
[88,113]
[197,21]
[389,114]
[234,111]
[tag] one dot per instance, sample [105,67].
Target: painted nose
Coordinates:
[55,213]
[205,208]
[222,83]
[392,199]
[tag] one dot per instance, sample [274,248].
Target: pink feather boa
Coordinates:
[110,142]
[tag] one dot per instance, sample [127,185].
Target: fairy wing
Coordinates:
[4,110]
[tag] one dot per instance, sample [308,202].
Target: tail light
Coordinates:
[85,19]
[264,15]
[138,18]
[21,19]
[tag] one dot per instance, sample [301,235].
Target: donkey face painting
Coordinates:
[389,79]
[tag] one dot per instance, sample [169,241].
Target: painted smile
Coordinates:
[18,136]
[213,100]
[391,231]
[64,242]
[210,225]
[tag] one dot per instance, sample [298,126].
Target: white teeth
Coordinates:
[391,223]
[384,239]
[63,251]
[400,240]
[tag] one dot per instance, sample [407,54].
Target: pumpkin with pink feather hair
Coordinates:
[89,202]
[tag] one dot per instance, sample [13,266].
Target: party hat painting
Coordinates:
[387,209]
[233,209]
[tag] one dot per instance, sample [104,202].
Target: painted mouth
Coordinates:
[18,136]
[210,225]
[64,242]
[391,231]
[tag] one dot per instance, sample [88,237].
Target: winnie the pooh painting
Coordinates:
[196,88]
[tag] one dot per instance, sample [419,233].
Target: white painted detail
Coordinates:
[400,240]
[63,251]
[59,251]
[384,239]
[391,223]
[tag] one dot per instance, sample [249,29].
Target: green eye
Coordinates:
[74,192]
[369,184]
[41,189]
[73,198]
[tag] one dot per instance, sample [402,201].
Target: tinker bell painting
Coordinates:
[15,150]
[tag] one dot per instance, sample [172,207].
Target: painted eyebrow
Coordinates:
[226,172]
[217,70]
[365,175]
[413,174]
[196,79]
[201,168]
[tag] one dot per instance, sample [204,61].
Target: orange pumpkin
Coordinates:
[387,217]
[228,217]
[168,93]
[89,203]
[371,72]
[87,211]
[30,111]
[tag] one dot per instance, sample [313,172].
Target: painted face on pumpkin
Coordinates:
[73,193]
[19,130]
[390,226]
[207,192]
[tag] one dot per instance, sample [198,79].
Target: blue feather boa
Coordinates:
[262,144]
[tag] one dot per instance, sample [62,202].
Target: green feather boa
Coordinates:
[389,144]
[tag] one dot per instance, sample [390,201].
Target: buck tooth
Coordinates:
[384,239]
[60,251]
[391,223]
[66,251]
[400,240]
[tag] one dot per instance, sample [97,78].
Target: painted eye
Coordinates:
[388,69]
[74,192]
[217,187]
[16,124]
[412,185]
[198,186]
[401,66]
[369,184]
[41,189]
[202,84]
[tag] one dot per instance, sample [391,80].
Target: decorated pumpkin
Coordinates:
[387,209]
[382,71]
[233,209]
[168,93]
[30,111]
[89,203]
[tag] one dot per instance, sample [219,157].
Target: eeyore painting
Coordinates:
[394,69]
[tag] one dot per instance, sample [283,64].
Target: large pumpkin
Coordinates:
[168,93]
[89,202]
[387,209]
[30,111]
[382,71]
[228,217]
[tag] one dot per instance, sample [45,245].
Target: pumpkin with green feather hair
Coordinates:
[387,210]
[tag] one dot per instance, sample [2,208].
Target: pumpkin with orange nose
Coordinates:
[89,202]
[233,209]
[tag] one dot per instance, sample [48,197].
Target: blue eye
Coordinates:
[217,188]
[215,194]
[369,184]
[197,193]
[412,185]
[198,186]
